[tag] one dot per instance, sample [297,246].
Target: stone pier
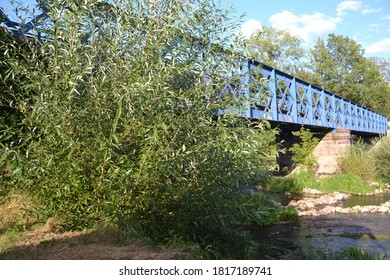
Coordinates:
[335,144]
[332,145]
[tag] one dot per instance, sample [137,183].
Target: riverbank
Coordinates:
[100,244]
[326,204]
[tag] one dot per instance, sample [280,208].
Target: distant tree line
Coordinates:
[337,64]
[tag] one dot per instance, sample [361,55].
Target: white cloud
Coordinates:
[347,6]
[367,10]
[375,26]
[304,26]
[382,46]
[250,27]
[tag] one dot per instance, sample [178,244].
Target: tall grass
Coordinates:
[345,183]
[369,161]
[358,161]
[381,158]
[294,183]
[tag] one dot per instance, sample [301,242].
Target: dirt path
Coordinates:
[104,244]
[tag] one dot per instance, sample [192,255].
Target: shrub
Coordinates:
[118,118]
[345,183]
[381,158]
[302,152]
[260,210]
[294,183]
[358,161]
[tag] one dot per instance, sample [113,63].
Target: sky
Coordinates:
[365,21]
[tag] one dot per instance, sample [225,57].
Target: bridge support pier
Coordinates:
[330,148]
[332,145]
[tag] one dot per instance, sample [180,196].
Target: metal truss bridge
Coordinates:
[278,97]
[282,98]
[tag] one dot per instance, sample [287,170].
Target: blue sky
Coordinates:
[366,21]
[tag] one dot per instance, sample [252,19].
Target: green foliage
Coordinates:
[260,210]
[294,183]
[254,209]
[339,66]
[344,183]
[381,158]
[384,67]
[336,64]
[302,152]
[358,161]
[369,161]
[277,48]
[117,119]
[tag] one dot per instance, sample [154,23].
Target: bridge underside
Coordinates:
[333,143]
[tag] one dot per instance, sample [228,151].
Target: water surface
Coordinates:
[370,232]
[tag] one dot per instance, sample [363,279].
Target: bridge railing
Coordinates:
[280,97]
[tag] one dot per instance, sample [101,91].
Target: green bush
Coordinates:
[358,161]
[294,183]
[345,183]
[260,210]
[381,158]
[117,119]
[302,152]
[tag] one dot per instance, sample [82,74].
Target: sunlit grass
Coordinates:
[344,183]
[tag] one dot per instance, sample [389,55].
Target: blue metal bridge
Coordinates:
[282,98]
[279,97]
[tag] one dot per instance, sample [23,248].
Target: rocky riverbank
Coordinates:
[325,204]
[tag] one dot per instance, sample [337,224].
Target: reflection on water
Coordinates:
[336,232]
[365,200]
[370,232]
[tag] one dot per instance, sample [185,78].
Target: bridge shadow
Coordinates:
[285,140]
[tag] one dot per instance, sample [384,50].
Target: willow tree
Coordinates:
[118,107]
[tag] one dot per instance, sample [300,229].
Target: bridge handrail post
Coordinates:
[322,105]
[342,112]
[349,117]
[365,121]
[333,117]
[382,123]
[293,96]
[371,122]
[309,102]
[361,118]
[272,90]
[355,117]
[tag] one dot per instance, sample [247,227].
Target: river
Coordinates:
[335,232]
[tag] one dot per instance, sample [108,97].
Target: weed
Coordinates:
[358,161]
[294,183]
[303,152]
[8,239]
[381,158]
[345,183]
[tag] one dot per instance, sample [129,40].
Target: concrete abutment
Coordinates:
[332,145]
[330,148]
